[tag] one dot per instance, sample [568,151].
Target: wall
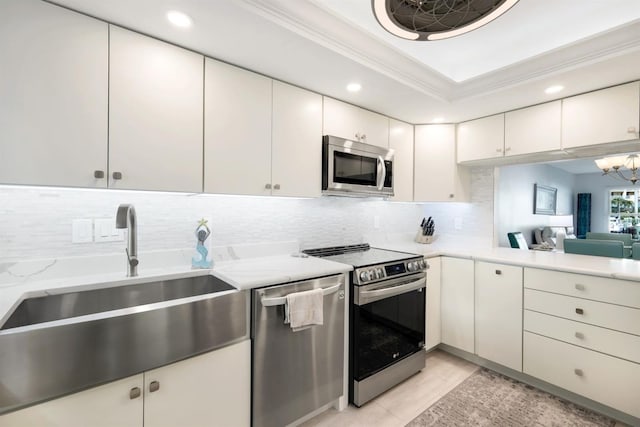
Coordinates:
[36,221]
[514,198]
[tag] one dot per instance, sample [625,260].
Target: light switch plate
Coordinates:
[82,231]
[105,231]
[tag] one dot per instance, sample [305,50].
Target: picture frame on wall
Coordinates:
[544,200]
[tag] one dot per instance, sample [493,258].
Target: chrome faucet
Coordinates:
[126,218]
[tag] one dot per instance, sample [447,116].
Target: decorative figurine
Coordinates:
[202,233]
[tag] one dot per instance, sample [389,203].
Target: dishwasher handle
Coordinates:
[271,302]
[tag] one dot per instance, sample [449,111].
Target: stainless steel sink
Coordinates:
[64,342]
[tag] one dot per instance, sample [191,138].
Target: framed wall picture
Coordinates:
[544,199]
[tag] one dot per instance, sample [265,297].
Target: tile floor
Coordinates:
[403,403]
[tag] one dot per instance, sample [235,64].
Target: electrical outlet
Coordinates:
[82,231]
[105,231]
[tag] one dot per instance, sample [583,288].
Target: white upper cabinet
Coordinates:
[608,115]
[401,141]
[296,146]
[354,123]
[437,176]
[155,114]
[481,139]
[533,130]
[237,136]
[53,96]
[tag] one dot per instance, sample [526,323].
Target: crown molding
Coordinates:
[331,31]
[326,29]
[618,41]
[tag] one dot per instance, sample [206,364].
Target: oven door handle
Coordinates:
[365,297]
[382,172]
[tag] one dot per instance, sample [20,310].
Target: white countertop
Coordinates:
[33,278]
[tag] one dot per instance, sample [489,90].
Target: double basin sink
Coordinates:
[64,342]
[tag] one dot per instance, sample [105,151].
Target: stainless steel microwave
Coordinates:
[351,168]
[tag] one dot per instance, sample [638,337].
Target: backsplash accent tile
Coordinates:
[35,222]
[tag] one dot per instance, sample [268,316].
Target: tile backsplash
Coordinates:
[36,222]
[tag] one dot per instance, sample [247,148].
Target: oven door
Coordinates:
[355,168]
[388,322]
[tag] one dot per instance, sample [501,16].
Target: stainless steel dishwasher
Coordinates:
[295,373]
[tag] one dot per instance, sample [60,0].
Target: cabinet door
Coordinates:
[533,130]
[296,146]
[213,389]
[607,115]
[401,141]
[481,139]
[53,95]
[354,123]
[498,316]
[457,303]
[104,406]
[437,176]
[237,135]
[432,317]
[155,114]
[375,128]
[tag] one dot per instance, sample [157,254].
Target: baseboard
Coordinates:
[544,386]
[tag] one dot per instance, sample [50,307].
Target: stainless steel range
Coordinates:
[387,317]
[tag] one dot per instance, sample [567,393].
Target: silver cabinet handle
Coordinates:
[579,311]
[507,149]
[451,196]
[117,175]
[98,174]
[364,137]
[498,150]
[267,186]
[135,393]
[154,386]
[578,372]
[579,287]
[276,187]
[579,335]
[498,272]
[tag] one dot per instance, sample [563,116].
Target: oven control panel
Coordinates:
[379,272]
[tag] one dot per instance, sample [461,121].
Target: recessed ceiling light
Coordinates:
[354,87]
[553,89]
[179,19]
[438,120]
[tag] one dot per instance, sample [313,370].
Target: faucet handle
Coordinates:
[133,261]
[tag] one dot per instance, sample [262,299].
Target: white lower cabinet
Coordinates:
[605,379]
[432,317]
[457,303]
[213,389]
[498,313]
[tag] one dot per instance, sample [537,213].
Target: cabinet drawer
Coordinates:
[607,341]
[604,289]
[605,379]
[611,316]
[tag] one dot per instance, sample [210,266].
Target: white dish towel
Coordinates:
[304,309]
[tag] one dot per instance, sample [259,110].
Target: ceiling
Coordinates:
[322,45]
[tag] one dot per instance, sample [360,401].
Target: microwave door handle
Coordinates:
[382,172]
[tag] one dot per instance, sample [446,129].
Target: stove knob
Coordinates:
[365,275]
[411,266]
[421,264]
[379,273]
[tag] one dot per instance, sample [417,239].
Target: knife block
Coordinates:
[423,239]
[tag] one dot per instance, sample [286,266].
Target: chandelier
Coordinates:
[436,19]
[611,166]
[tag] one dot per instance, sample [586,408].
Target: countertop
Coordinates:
[285,264]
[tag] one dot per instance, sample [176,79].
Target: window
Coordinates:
[623,209]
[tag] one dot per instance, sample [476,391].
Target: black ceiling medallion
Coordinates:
[436,19]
